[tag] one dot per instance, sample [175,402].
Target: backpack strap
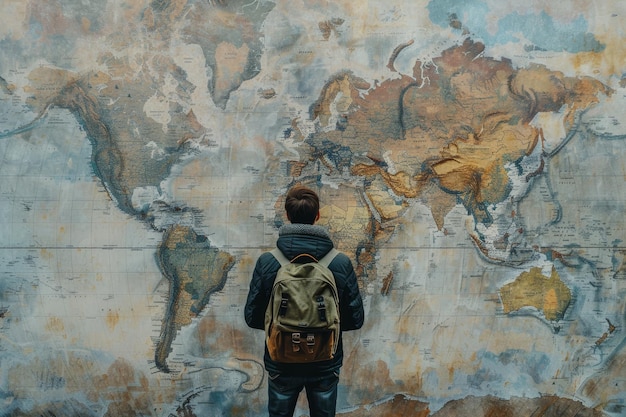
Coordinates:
[321,303]
[284,300]
[282,259]
[328,258]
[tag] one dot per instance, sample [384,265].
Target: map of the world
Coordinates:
[470,158]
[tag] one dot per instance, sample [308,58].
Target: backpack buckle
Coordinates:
[310,342]
[283,305]
[321,307]
[295,342]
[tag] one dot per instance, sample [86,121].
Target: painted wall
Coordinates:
[469,157]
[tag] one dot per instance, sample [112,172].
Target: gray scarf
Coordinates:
[303,229]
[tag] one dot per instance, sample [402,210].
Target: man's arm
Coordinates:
[350,303]
[259,293]
[254,310]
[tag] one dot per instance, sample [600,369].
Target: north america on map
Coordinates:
[468,155]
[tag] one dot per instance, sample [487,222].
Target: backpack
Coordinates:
[302,317]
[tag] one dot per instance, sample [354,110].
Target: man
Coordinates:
[320,379]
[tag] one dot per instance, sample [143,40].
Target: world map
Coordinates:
[469,157]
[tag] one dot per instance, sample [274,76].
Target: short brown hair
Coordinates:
[302,205]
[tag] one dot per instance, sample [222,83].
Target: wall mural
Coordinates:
[470,160]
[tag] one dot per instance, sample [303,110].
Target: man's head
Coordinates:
[302,205]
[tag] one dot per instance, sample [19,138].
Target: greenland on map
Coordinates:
[470,158]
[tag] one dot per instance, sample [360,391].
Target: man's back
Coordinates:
[295,239]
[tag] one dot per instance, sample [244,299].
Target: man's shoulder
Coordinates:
[341,258]
[341,265]
[266,257]
[267,262]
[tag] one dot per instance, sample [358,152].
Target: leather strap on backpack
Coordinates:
[326,260]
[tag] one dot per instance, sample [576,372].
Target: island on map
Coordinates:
[549,295]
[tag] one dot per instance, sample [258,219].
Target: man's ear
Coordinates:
[317,217]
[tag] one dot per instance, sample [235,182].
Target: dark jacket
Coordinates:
[293,240]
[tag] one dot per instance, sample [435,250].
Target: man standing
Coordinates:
[320,379]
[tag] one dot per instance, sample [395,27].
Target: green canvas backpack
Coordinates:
[302,317]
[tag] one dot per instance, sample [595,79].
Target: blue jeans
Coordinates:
[321,392]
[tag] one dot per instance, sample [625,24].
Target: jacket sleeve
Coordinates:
[350,301]
[259,292]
